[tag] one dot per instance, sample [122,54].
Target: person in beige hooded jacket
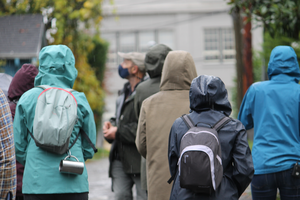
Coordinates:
[158,112]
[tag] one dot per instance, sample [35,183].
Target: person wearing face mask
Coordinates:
[120,131]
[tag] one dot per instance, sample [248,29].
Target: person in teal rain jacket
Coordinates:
[42,179]
[272,107]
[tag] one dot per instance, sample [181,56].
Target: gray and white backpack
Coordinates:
[200,162]
[54,120]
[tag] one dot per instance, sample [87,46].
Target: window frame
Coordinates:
[221,53]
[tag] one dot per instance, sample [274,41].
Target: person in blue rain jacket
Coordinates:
[272,107]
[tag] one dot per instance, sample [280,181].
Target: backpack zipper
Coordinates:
[199,133]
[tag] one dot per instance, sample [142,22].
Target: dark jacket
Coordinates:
[209,103]
[21,82]
[154,62]
[123,147]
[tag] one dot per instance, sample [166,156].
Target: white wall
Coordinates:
[187,19]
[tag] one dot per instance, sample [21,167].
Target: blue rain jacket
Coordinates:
[41,175]
[272,108]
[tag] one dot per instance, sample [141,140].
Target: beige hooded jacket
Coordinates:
[158,113]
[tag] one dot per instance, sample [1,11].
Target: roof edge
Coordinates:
[18,55]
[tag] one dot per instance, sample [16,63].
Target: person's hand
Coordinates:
[109,131]
[106,126]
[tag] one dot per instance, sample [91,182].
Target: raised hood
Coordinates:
[22,81]
[209,92]
[57,67]
[283,60]
[178,72]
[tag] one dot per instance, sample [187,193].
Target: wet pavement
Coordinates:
[100,183]
[246,195]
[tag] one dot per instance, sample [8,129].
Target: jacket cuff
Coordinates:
[117,136]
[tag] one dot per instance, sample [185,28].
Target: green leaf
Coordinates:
[263,10]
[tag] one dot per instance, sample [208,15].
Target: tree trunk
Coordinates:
[238,25]
[247,56]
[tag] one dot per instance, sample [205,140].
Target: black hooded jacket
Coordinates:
[208,104]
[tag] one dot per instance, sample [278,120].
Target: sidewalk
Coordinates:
[247,194]
[100,183]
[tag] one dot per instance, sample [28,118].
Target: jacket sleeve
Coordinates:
[173,150]
[245,113]
[20,134]
[140,140]
[127,133]
[89,127]
[243,169]
[137,102]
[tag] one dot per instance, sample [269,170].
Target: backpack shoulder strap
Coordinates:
[221,123]
[188,121]
[44,87]
[87,139]
[173,176]
[47,86]
[31,135]
[69,90]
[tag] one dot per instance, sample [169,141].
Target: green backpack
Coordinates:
[54,120]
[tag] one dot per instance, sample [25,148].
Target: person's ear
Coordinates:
[134,69]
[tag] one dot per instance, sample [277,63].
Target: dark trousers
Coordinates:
[68,196]
[264,186]
[20,197]
[9,196]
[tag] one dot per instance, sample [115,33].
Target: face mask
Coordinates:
[123,72]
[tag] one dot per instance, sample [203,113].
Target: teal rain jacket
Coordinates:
[41,175]
[273,108]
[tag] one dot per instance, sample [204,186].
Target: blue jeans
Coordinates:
[264,186]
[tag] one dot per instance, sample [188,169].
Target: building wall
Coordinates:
[13,65]
[180,25]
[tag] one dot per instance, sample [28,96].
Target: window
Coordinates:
[146,40]
[211,44]
[112,50]
[166,37]
[219,44]
[127,42]
[228,44]
[139,41]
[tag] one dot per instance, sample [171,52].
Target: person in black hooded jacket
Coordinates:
[209,104]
